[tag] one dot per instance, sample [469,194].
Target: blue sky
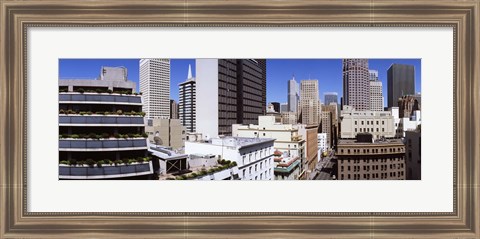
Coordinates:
[327,71]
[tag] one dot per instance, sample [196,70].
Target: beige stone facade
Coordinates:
[171,132]
[380,160]
[379,124]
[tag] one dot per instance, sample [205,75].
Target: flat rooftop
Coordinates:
[378,141]
[238,141]
[164,152]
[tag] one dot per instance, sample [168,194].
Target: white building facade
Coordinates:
[155,88]
[402,125]
[376,96]
[254,156]
[322,144]
[379,124]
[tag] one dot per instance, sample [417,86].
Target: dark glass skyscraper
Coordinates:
[401,81]
[241,88]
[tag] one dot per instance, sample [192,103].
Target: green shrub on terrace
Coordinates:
[90,162]
[74,136]
[99,163]
[117,162]
[61,111]
[119,112]
[109,91]
[80,90]
[105,135]
[92,135]
[72,161]
[65,162]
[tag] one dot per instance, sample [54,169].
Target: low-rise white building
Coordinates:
[378,123]
[322,144]
[253,156]
[405,124]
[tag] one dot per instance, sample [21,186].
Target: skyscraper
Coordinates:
[400,81]
[373,75]
[276,106]
[293,95]
[229,91]
[155,87]
[173,109]
[283,107]
[376,89]
[356,84]
[187,102]
[331,97]
[309,102]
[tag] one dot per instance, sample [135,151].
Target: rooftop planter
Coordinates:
[99,91]
[118,112]
[277,153]
[103,136]
[101,119]
[105,162]
[227,165]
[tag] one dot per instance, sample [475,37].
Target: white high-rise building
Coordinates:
[376,89]
[376,96]
[293,95]
[155,88]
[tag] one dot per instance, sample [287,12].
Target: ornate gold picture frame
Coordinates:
[17,16]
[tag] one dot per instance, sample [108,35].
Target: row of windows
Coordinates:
[382,150]
[372,175]
[356,161]
[369,122]
[383,167]
[368,130]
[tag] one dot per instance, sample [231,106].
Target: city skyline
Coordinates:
[327,71]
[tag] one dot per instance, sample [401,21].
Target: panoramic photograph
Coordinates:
[239,119]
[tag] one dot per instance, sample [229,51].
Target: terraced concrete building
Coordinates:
[101,127]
